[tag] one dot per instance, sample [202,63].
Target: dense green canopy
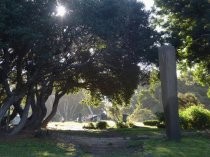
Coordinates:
[97,46]
[187,24]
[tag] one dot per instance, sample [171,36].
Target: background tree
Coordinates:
[147,99]
[186,25]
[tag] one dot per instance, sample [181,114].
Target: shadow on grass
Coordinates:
[36,148]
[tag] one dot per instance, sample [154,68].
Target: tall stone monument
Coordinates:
[167,61]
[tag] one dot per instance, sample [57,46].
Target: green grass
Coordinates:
[113,132]
[35,148]
[189,146]
[196,146]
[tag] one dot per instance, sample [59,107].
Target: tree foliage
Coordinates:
[147,100]
[186,25]
[95,46]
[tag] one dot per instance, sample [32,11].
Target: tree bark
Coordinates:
[167,60]
[39,110]
[54,109]
[7,103]
[24,117]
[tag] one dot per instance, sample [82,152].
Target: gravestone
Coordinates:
[125,116]
[80,117]
[167,61]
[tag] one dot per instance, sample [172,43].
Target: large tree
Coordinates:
[186,25]
[95,46]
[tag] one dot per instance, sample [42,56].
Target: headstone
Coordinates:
[167,61]
[125,116]
[80,117]
[103,116]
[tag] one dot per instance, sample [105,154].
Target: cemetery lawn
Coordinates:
[193,146]
[33,147]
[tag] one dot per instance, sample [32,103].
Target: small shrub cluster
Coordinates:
[157,123]
[151,122]
[160,122]
[195,117]
[99,125]
[89,126]
[125,125]
[160,116]
[121,125]
[132,125]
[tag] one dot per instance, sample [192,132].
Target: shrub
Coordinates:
[141,114]
[89,126]
[187,99]
[184,121]
[195,117]
[121,125]
[151,122]
[101,125]
[161,125]
[132,125]
[160,116]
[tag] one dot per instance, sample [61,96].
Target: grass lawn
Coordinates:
[35,148]
[195,145]
[131,132]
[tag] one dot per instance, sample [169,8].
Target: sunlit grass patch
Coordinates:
[196,146]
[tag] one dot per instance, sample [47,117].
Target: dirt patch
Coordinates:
[100,145]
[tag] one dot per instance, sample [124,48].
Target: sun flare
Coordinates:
[61,10]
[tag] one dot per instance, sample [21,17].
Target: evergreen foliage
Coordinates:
[95,46]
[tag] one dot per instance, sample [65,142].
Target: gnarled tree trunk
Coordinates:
[9,102]
[24,117]
[54,109]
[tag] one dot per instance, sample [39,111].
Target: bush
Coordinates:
[89,126]
[141,114]
[160,116]
[184,120]
[132,125]
[121,125]
[151,122]
[187,99]
[161,125]
[101,125]
[195,117]
[155,123]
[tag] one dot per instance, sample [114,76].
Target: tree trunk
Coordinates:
[54,110]
[8,102]
[18,108]
[39,110]
[12,116]
[167,60]
[24,117]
